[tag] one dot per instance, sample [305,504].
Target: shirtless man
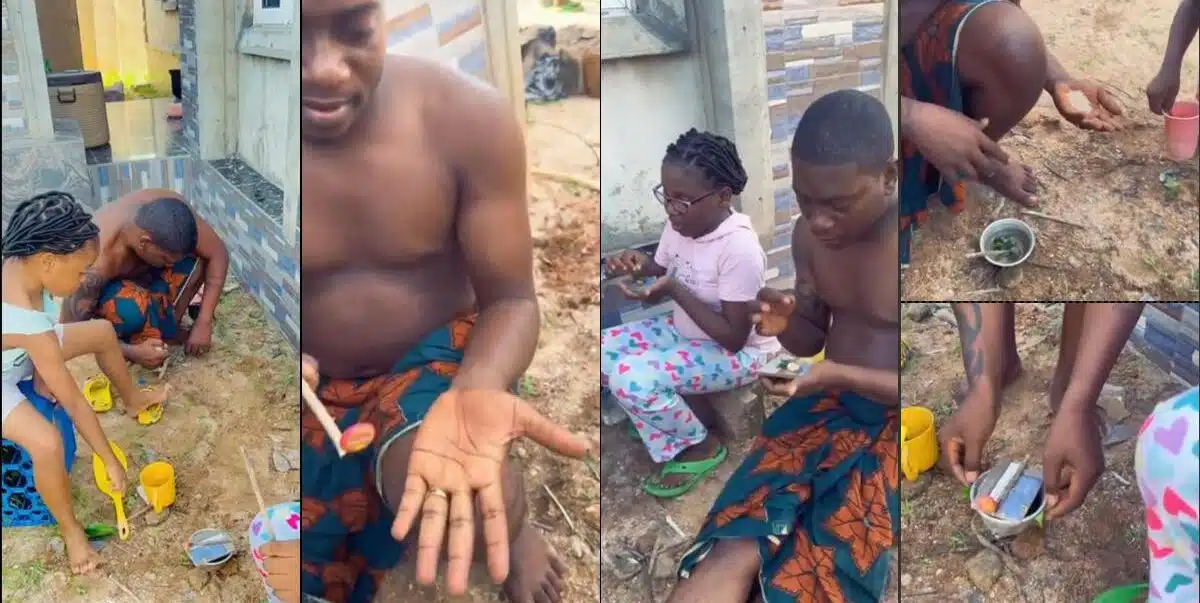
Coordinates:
[421,312]
[155,255]
[827,458]
[970,71]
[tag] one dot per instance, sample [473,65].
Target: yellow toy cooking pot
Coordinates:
[918,441]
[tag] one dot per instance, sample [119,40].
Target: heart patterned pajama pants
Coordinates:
[1168,474]
[647,365]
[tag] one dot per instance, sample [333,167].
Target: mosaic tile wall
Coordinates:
[1168,334]
[451,31]
[189,73]
[260,257]
[813,48]
[35,166]
[14,119]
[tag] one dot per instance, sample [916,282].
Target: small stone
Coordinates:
[1029,544]
[56,545]
[984,569]
[198,578]
[579,548]
[665,568]
[153,519]
[591,515]
[905,580]
[280,462]
[520,452]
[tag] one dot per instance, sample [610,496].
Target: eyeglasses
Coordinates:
[680,206]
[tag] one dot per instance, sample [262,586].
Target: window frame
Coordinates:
[645,28]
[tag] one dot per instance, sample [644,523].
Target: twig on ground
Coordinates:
[1053,171]
[650,568]
[541,526]
[561,509]
[1119,477]
[585,141]
[1038,214]
[985,292]
[675,526]
[124,589]
[593,469]
[568,178]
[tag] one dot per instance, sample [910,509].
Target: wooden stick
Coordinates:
[1038,214]
[262,506]
[318,409]
[568,178]
[561,509]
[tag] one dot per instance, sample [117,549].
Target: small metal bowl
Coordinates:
[1010,227]
[208,537]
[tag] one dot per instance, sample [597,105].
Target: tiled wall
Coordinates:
[36,166]
[14,119]
[260,257]
[189,73]
[1168,334]
[813,48]
[451,31]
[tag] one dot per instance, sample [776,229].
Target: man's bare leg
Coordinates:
[536,573]
[31,431]
[726,575]
[1002,62]
[98,337]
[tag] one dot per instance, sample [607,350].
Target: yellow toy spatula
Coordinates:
[101,475]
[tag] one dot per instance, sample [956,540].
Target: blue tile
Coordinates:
[867,32]
[288,265]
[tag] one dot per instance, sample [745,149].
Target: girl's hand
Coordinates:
[654,293]
[116,475]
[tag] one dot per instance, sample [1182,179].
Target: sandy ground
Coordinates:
[243,393]
[1099,546]
[1139,236]
[563,137]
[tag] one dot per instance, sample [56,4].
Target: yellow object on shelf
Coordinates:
[101,475]
[98,393]
[918,441]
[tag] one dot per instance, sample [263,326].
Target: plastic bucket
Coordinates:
[1182,128]
[1004,528]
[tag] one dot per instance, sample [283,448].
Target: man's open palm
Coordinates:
[456,459]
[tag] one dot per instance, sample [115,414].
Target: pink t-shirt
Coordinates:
[727,264]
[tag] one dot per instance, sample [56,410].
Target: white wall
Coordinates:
[648,103]
[263,118]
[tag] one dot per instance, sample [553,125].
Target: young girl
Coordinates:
[710,265]
[49,244]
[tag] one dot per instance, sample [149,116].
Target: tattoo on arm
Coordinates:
[970,324]
[82,304]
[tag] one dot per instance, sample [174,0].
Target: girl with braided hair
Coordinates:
[49,243]
[710,265]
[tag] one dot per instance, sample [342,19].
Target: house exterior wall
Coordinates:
[1168,335]
[813,47]
[449,31]
[14,120]
[263,85]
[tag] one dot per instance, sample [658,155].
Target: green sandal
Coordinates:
[696,470]
[633,432]
[1124,594]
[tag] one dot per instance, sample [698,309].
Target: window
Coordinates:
[635,28]
[273,12]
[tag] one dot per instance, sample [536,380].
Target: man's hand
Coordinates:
[456,459]
[654,293]
[955,144]
[1102,108]
[774,311]
[281,562]
[199,340]
[962,438]
[626,262]
[816,379]
[150,353]
[1074,459]
[308,371]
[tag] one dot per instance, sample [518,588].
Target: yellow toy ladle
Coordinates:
[101,475]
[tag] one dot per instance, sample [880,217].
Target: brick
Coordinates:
[835,68]
[824,86]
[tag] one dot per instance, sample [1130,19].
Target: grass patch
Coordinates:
[23,577]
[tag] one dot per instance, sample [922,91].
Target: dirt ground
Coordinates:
[243,393]
[1140,236]
[1098,547]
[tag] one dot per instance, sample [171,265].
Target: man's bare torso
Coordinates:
[381,264]
[863,300]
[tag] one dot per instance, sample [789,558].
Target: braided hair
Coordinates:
[715,155]
[52,222]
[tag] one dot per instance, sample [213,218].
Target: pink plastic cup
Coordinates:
[1183,129]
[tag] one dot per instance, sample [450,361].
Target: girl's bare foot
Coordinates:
[82,557]
[148,398]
